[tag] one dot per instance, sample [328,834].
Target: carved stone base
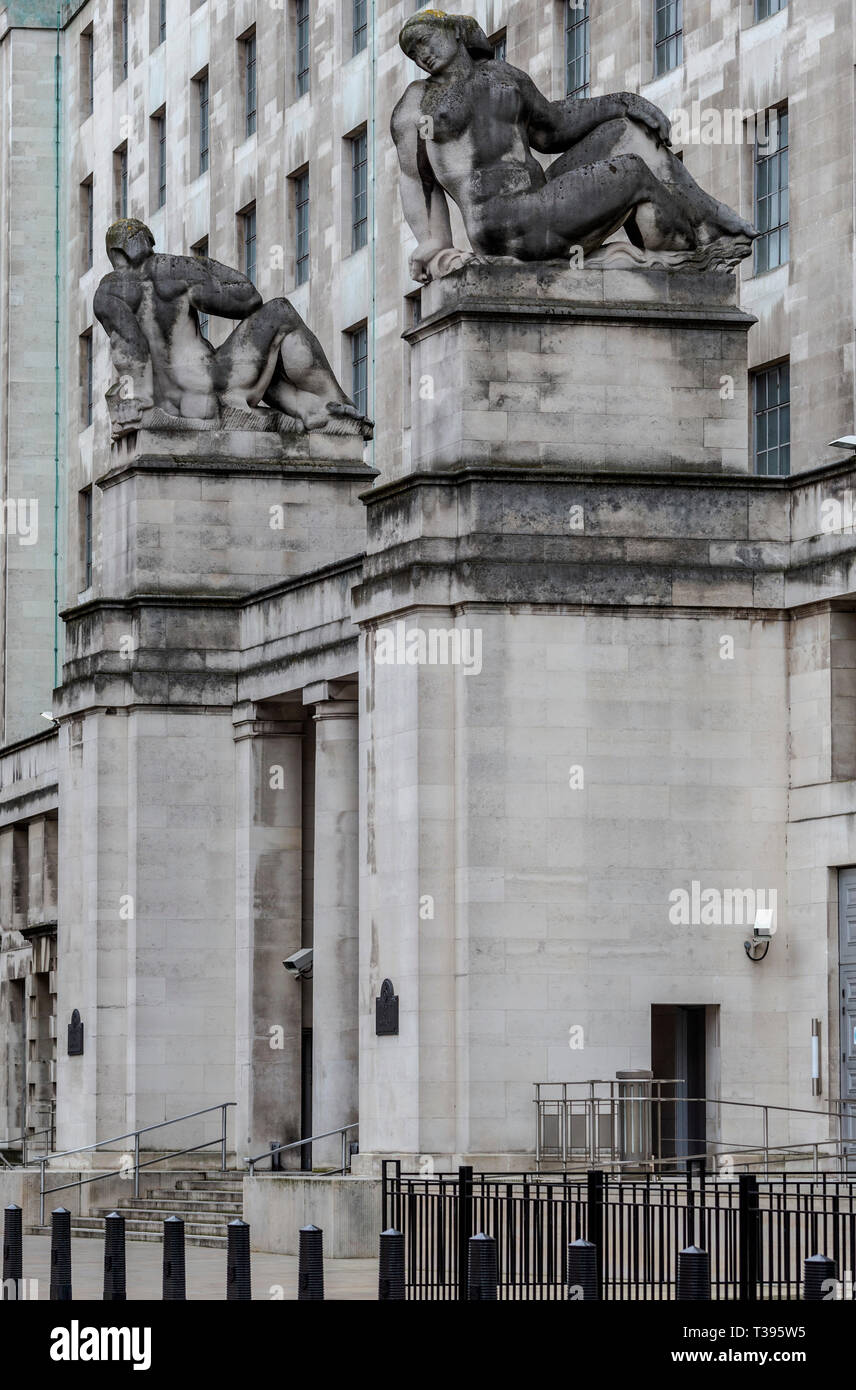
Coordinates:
[597,368]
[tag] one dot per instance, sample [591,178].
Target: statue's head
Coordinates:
[129,242]
[432,39]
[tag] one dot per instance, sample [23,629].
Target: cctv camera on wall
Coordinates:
[299,966]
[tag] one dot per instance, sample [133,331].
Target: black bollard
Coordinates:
[482,1268]
[693,1275]
[238,1287]
[582,1271]
[173,1260]
[818,1270]
[114,1259]
[61,1256]
[13,1253]
[310,1277]
[390,1284]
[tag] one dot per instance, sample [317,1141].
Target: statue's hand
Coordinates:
[647,114]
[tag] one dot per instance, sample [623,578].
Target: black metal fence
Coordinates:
[758,1231]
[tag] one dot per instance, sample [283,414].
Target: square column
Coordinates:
[335,965]
[269,1012]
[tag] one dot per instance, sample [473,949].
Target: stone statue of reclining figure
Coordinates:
[469,130]
[170,374]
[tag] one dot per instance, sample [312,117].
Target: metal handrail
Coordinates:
[135,1135]
[591,1106]
[23,1140]
[301,1143]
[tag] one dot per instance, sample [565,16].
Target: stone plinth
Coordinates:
[545,365]
[227,512]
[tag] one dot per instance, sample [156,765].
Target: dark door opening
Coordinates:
[306,1098]
[678,1055]
[847,998]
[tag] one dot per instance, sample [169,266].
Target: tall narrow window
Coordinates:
[360,26]
[499,43]
[302,46]
[123,38]
[764,8]
[88,201]
[87,73]
[248,242]
[359,191]
[86,537]
[772,211]
[577,49]
[202,92]
[159,158]
[201,249]
[161,21]
[360,367]
[250,117]
[668,35]
[771,419]
[120,170]
[301,225]
[86,378]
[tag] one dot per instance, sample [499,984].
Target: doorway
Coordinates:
[679,1062]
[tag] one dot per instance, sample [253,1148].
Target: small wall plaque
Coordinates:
[386,1011]
[75,1035]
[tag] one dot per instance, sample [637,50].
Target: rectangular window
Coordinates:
[771,418]
[772,212]
[87,73]
[250,117]
[360,26]
[161,21]
[201,249]
[668,35]
[301,225]
[764,8]
[577,49]
[88,202]
[360,367]
[359,191]
[86,378]
[500,44]
[159,157]
[120,173]
[302,46]
[202,92]
[86,538]
[247,222]
[123,38]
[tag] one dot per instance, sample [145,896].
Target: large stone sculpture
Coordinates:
[171,376]
[469,130]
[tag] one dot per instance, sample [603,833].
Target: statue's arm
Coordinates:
[422,197]
[116,312]
[554,126]
[218,289]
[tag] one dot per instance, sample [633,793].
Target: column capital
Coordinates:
[252,720]
[333,699]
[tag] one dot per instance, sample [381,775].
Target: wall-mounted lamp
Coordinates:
[815,1057]
[763,931]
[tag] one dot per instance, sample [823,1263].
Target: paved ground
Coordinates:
[273,1276]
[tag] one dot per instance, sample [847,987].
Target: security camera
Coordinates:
[763,931]
[300,964]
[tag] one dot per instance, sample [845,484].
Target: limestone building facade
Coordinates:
[617,518]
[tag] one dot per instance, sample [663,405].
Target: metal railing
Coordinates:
[757,1230]
[302,1143]
[638,1125]
[138,1164]
[25,1140]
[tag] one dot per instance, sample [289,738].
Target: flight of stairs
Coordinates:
[207,1201]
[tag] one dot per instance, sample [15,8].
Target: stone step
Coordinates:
[136,1224]
[153,1237]
[174,1205]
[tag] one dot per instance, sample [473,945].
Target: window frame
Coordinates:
[302,214]
[781,229]
[359,31]
[359,336]
[250,75]
[248,222]
[359,194]
[781,369]
[572,30]
[302,32]
[672,41]
[203,99]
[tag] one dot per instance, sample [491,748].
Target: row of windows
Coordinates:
[121,34]
[358,149]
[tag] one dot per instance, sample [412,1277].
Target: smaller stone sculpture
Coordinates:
[469,131]
[271,373]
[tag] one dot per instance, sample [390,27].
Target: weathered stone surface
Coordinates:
[470,130]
